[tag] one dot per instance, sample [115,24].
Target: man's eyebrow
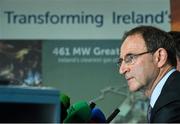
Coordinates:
[128,54]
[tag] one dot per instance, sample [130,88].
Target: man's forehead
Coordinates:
[132,44]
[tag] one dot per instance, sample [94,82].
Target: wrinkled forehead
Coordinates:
[133,44]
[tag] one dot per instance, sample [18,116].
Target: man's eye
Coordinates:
[129,58]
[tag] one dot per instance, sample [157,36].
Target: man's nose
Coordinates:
[123,68]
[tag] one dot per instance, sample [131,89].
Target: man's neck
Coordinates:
[162,72]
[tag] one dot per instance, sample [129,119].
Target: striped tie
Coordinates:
[149,113]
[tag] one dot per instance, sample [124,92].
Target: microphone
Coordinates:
[113,115]
[65,103]
[65,100]
[92,105]
[79,112]
[97,116]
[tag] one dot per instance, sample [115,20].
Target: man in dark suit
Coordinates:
[148,60]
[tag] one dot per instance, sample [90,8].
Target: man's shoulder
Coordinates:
[174,77]
[171,90]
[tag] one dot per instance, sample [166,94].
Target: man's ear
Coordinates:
[161,57]
[178,63]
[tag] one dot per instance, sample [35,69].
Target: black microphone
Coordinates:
[92,105]
[113,115]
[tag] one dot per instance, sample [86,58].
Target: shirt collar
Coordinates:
[157,90]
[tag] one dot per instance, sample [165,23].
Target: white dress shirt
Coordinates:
[157,90]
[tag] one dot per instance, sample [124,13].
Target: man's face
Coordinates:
[142,70]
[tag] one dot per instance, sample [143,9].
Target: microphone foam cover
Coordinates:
[97,116]
[79,112]
[65,103]
[65,100]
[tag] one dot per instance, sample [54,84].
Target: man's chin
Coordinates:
[133,89]
[131,86]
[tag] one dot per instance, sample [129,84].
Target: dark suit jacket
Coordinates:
[167,106]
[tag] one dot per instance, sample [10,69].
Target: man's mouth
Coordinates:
[128,78]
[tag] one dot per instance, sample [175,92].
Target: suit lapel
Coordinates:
[167,94]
